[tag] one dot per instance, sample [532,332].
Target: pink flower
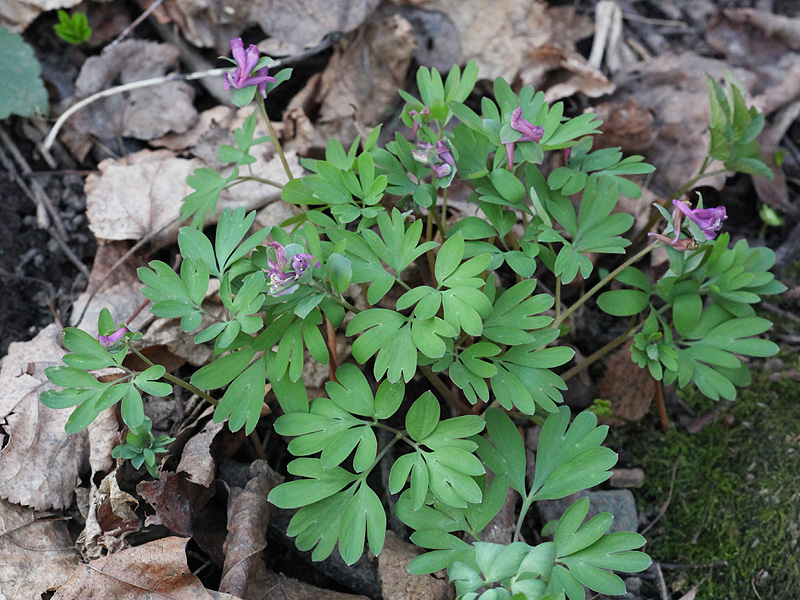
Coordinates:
[109,340]
[529,131]
[246,61]
[414,113]
[438,157]
[709,220]
[281,274]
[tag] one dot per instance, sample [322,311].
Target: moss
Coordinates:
[736,496]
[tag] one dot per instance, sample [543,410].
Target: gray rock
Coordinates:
[619,503]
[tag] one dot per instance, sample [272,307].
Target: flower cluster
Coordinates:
[709,220]
[437,156]
[284,272]
[246,61]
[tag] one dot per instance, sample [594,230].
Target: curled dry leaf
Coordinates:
[156,571]
[524,41]
[628,387]
[248,517]
[291,26]
[39,463]
[397,583]
[174,499]
[36,554]
[110,520]
[196,460]
[356,88]
[16,16]
[144,113]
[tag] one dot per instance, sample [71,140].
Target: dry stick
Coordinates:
[662,410]
[127,31]
[40,198]
[663,510]
[662,585]
[134,85]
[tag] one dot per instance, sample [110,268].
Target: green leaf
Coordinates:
[504,451]
[388,334]
[22,91]
[423,417]
[74,29]
[363,516]
[340,272]
[242,401]
[623,303]
[571,459]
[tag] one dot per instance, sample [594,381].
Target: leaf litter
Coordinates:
[656,106]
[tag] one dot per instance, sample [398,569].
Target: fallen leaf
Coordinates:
[672,89]
[36,553]
[110,520]
[144,113]
[628,387]
[175,499]
[153,571]
[356,88]
[248,517]
[16,16]
[196,460]
[40,462]
[276,586]
[524,41]
[291,25]
[397,583]
[140,196]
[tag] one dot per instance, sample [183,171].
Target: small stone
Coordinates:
[619,503]
[626,478]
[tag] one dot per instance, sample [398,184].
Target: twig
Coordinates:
[697,533]
[39,198]
[134,85]
[663,510]
[127,31]
[662,585]
[662,410]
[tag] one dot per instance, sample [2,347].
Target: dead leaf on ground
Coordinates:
[196,460]
[39,463]
[276,586]
[524,41]
[628,387]
[141,195]
[36,553]
[175,499]
[17,15]
[156,570]
[144,113]
[292,26]
[397,583]
[765,43]
[671,89]
[357,87]
[248,517]
[110,520]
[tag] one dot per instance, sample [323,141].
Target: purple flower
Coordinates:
[414,113]
[282,274]
[437,157]
[246,61]
[109,340]
[529,131]
[709,220]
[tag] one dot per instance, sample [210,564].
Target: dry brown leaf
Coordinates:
[145,113]
[248,517]
[524,41]
[196,459]
[673,89]
[218,118]
[356,88]
[153,571]
[292,26]
[36,554]
[397,583]
[141,195]
[628,387]
[276,586]
[40,462]
[110,520]
[175,500]
[18,14]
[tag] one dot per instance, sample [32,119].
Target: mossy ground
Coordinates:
[736,495]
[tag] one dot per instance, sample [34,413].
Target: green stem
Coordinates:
[443,389]
[558,297]
[275,141]
[600,284]
[595,356]
[243,178]
[177,381]
[443,225]
[526,504]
